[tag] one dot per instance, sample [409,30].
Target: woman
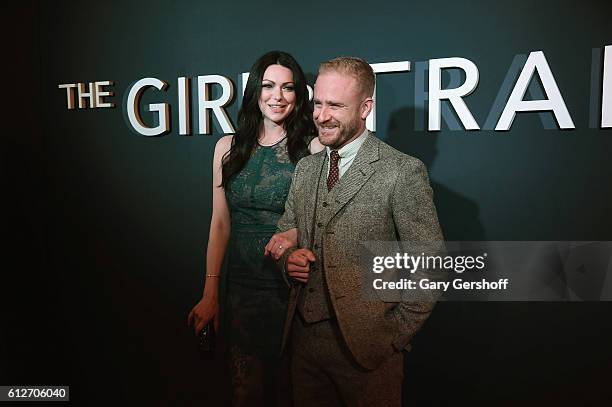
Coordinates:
[251,178]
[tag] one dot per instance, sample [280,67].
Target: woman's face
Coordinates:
[277,99]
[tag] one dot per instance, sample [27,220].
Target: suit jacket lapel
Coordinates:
[310,193]
[358,173]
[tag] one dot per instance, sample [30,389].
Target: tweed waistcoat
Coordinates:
[314,304]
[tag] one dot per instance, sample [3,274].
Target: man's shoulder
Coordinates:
[391,156]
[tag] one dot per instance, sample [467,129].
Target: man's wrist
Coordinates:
[283,264]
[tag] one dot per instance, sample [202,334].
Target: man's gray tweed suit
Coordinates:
[384,196]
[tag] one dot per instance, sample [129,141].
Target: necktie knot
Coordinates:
[334,172]
[335,157]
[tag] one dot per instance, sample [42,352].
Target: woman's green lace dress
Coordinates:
[257,295]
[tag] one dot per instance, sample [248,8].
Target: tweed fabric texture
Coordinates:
[384,196]
[314,303]
[328,375]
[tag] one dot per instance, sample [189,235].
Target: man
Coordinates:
[347,349]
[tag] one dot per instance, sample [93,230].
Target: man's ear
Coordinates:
[366,107]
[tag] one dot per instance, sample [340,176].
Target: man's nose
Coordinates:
[323,115]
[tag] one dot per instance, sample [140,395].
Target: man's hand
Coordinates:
[298,264]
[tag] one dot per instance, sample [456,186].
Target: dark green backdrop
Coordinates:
[108,229]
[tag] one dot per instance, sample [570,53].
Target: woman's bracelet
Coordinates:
[213,275]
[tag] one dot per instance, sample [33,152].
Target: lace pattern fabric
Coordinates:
[257,296]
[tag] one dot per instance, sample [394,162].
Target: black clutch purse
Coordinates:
[207,341]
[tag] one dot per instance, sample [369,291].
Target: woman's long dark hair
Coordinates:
[298,125]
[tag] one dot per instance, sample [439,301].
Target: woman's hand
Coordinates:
[205,310]
[281,242]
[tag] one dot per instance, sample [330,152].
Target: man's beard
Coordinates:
[346,131]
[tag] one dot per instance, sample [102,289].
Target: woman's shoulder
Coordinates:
[224,144]
[315,146]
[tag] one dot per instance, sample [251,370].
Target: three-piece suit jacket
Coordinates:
[384,196]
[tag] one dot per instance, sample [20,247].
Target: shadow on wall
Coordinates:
[499,353]
[458,214]
[452,350]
